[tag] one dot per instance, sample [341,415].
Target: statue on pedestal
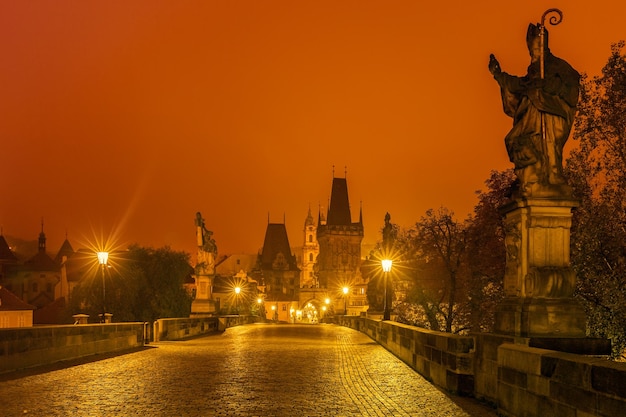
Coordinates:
[207,249]
[539,281]
[205,269]
[542,104]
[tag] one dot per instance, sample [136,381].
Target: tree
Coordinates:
[142,284]
[486,257]
[436,248]
[597,173]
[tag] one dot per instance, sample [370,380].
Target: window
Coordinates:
[310,257]
[310,238]
[284,307]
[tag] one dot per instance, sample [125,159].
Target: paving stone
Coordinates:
[256,370]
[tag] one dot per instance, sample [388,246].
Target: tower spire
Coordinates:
[42,239]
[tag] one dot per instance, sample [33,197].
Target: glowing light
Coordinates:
[386,265]
[346,290]
[103,257]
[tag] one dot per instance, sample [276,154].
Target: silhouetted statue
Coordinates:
[205,237]
[542,104]
[388,234]
[207,249]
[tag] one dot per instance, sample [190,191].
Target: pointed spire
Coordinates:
[42,239]
[361,212]
[309,218]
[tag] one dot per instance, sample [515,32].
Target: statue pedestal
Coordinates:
[203,304]
[539,282]
[536,317]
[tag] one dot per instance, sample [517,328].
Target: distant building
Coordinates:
[35,280]
[339,260]
[41,281]
[279,274]
[13,311]
[310,252]
[232,272]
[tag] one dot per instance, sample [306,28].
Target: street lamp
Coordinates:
[237,291]
[103,258]
[386,269]
[345,300]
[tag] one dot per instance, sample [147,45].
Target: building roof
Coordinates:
[11,302]
[6,254]
[309,221]
[41,262]
[66,250]
[276,242]
[232,264]
[339,210]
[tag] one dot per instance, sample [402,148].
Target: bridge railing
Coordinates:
[27,347]
[520,379]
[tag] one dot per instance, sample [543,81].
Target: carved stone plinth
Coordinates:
[539,282]
[203,304]
[534,317]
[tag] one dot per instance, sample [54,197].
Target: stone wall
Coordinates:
[515,375]
[178,329]
[443,358]
[22,348]
[541,382]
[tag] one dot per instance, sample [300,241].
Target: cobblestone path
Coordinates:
[256,370]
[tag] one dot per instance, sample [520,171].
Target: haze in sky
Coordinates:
[125,118]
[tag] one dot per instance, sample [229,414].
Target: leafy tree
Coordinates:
[433,251]
[142,284]
[486,257]
[597,172]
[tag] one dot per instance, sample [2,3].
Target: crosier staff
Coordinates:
[554,20]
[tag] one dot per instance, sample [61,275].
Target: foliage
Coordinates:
[431,257]
[455,269]
[597,172]
[486,256]
[142,284]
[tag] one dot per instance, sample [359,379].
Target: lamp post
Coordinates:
[345,300]
[237,291]
[103,258]
[386,269]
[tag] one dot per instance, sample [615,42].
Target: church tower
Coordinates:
[310,251]
[339,260]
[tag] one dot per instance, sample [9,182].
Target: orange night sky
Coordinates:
[126,117]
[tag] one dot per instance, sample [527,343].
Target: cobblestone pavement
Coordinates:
[255,370]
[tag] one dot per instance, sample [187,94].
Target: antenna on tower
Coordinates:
[345,172]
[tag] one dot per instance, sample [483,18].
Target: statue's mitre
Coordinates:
[534,32]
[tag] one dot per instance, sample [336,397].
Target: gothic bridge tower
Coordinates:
[339,259]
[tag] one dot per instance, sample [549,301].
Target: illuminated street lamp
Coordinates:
[345,300]
[237,291]
[386,269]
[103,258]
